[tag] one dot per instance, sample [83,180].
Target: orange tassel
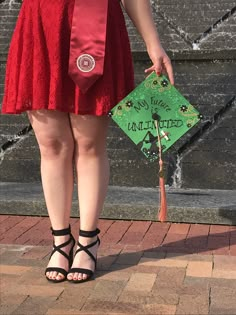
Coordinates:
[163,202]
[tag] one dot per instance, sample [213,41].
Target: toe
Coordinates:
[76,276]
[59,276]
[54,275]
[70,276]
[85,277]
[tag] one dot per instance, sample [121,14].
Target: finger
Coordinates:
[170,72]
[151,69]
[158,67]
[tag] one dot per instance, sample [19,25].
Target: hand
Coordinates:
[161,62]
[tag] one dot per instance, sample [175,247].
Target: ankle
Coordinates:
[58,240]
[87,240]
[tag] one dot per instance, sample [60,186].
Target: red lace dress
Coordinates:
[37,66]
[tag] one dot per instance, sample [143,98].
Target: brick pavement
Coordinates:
[143,268]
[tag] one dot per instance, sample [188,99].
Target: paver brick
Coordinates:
[160,309]
[129,258]
[193,281]
[107,290]
[188,257]
[34,290]
[3,217]
[169,277]
[233,250]
[137,227]
[177,228]
[226,283]
[147,269]
[215,242]
[36,234]
[141,282]
[16,270]
[154,254]
[196,242]
[104,263]
[20,228]
[163,262]
[199,269]
[155,234]
[34,305]
[7,224]
[221,251]
[10,257]
[114,275]
[59,311]
[220,230]
[224,262]
[10,303]
[73,298]
[194,288]
[174,240]
[199,229]
[34,276]
[116,231]
[193,304]
[221,311]
[104,225]
[38,252]
[105,307]
[223,298]
[226,274]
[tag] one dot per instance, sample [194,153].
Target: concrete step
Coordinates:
[131,203]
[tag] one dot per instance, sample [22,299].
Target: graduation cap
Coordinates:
[154,116]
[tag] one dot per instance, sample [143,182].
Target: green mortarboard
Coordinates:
[155,99]
[154,116]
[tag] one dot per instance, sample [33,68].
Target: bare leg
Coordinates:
[93,175]
[54,136]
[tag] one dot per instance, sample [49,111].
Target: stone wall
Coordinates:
[201,41]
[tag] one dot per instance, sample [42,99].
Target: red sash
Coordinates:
[87,43]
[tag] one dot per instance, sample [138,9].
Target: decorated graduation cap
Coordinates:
[154,116]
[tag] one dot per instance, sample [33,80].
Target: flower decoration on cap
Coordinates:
[164,83]
[184,108]
[129,103]
[200,116]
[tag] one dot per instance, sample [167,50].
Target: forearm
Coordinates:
[141,15]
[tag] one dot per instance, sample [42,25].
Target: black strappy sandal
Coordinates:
[59,249]
[88,272]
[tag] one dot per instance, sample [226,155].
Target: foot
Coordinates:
[58,260]
[83,260]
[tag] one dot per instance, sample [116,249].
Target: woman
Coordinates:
[71,125]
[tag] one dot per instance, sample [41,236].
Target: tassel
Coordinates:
[163,202]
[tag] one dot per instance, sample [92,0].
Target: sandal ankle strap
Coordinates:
[66,231]
[89,233]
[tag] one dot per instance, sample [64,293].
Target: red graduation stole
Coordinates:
[87,42]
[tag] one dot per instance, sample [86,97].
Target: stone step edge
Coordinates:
[133,203]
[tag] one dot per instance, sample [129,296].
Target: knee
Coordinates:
[52,148]
[90,147]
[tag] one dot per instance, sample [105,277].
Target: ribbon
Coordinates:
[88,42]
[163,202]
